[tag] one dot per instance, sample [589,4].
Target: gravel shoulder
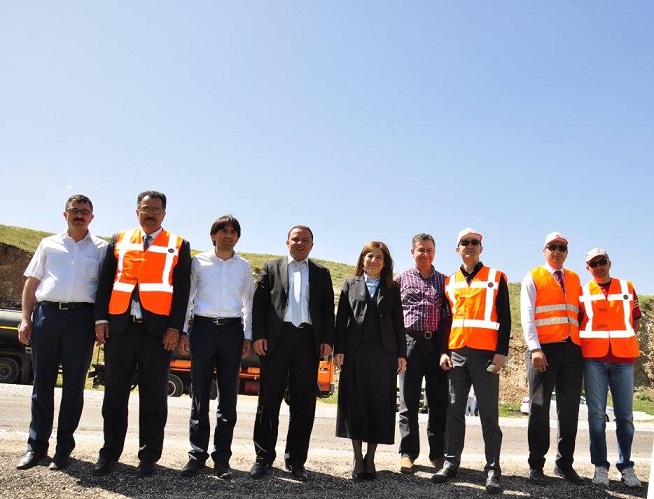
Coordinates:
[329,461]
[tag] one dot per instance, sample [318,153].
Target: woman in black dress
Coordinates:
[370,349]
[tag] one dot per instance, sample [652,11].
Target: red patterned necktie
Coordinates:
[559,277]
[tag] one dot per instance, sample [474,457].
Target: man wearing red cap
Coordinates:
[610,319]
[474,352]
[549,309]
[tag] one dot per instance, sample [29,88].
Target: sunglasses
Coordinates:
[561,247]
[466,242]
[601,263]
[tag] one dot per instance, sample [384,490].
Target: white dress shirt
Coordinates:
[68,270]
[528,305]
[221,288]
[298,271]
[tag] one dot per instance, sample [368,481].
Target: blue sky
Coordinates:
[364,120]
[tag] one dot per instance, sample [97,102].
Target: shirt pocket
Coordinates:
[91,268]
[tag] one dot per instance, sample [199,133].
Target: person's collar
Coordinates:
[154,234]
[552,269]
[86,236]
[431,271]
[292,260]
[476,268]
[369,279]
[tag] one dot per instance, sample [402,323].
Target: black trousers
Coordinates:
[220,348]
[63,337]
[564,374]
[293,360]
[125,352]
[422,361]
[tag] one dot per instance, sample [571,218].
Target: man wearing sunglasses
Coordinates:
[474,352]
[57,322]
[549,309]
[610,319]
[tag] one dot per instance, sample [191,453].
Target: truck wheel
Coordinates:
[9,370]
[175,386]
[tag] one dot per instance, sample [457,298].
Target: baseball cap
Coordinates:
[466,232]
[554,236]
[596,252]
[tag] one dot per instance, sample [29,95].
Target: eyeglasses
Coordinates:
[601,263]
[466,242]
[149,209]
[75,211]
[561,247]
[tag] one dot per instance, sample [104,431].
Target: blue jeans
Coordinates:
[598,378]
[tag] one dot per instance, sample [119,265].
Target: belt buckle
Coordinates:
[137,320]
[62,306]
[428,335]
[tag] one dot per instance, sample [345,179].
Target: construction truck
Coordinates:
[15,358]
[179,379]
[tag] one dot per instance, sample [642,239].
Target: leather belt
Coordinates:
[65,306]
[427,335]
[220,321]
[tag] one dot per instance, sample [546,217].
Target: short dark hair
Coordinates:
[79,198]
[223,222]
[152,194]
[303,227]
[421,237]
[387,270]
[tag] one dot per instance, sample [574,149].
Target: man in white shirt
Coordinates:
[549,311]
[57,321]
[220,303]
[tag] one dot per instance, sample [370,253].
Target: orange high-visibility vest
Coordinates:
[151,269]
[555,312]
[474,315]
[608,320]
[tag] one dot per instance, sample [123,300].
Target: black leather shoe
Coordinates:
[223,471]
[192,467]
[536,476]
[259,469]
[493,482]
[29,459]
[444,474]
[298,472]
[103,466]
[146,467]
[569,474]
[59,462]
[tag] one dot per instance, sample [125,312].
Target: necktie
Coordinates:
[296,311]
[147,239]
[559,277]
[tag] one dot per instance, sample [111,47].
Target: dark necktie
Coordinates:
[559,277]
[147,239]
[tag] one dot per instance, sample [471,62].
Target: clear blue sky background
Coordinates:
[365,120]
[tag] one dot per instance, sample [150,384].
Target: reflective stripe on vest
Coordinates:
[474,317]
[608,320]
[556,311]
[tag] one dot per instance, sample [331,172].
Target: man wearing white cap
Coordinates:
[474,352]
[549,309]
[610,319]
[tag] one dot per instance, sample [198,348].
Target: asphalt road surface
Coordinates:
[329,461]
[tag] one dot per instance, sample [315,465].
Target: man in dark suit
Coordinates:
[140,310]
[292,327]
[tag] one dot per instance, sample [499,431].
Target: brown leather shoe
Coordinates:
[438,463]
[406,464]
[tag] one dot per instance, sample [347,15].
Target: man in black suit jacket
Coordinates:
[140,310]
[292,327]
